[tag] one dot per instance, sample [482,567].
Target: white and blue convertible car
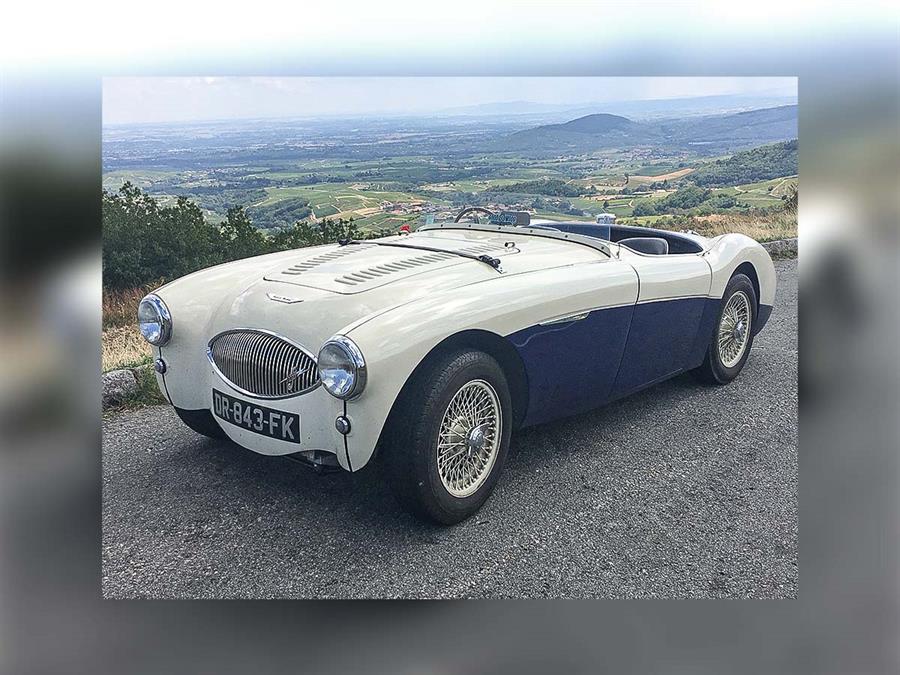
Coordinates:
[425,352]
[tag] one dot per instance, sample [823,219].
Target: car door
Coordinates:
[572,350]
[672,294]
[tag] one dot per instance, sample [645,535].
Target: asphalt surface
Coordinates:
[679,491]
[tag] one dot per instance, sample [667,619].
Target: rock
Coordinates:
[783,248]
[117,386]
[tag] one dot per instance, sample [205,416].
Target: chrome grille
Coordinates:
[262,364]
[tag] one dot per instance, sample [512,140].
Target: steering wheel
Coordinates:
[473,209]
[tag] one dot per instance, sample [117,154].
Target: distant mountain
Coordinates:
[596,131]
[758,126]
[599,123]
[641,109]
[696,106]
[711,133]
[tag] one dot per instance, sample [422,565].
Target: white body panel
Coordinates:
[397,304]
[668,277]
[727,252]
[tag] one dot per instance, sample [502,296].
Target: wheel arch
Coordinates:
[488,342]
[749,270]
[735,254]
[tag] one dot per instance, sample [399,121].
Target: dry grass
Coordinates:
[761,228]
[121,344]
[120,307]
[123,347]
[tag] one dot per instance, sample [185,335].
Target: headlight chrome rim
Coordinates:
[354,357]
[164,318]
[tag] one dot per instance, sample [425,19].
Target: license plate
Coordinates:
[278,424]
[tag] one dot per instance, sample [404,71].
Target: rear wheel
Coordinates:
[733,337]
[447,444]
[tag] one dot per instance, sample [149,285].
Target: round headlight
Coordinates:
[154,320]
[342,368]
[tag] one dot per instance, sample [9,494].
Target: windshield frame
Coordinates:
[584,240]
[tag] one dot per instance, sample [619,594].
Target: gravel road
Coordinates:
[679,491]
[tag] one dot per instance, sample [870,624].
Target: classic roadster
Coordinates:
[426,351]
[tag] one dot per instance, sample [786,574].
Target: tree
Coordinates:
[605,203]
[240,238]
[644,209]
[145,242]
[300,235]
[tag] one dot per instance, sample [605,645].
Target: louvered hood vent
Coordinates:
[366,274]
[323,258]
[360,267]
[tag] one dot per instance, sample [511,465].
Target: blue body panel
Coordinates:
[660,342]
[762,316]
[571,366]
[576,366]
[708,321]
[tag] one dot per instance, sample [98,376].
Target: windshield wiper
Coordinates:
[486,259]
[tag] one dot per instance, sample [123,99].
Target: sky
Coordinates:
[128,100]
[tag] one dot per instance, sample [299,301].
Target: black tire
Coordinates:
[713,370]
[409,457]
[202,422]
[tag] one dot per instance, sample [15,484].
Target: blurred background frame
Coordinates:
[845,619]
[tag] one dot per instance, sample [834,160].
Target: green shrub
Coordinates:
[145,241]
[750,166]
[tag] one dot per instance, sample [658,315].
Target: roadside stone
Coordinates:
[783,248]
[117,386]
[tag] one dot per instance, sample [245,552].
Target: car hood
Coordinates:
[313,293]
[364,266]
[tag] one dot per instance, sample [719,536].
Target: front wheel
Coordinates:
[733,337]
[448,441]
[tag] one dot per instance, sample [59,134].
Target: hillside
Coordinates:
[750,166]
[600,123]
[711,134]
[544,186]
[590,132]
[753,127]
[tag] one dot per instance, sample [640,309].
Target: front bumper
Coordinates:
[316,409]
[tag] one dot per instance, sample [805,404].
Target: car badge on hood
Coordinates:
[283,298]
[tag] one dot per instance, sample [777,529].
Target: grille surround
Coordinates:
[259,363]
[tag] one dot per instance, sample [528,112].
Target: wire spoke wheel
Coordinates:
[734,329]
[469,438]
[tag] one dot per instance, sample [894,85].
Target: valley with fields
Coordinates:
[387,172]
